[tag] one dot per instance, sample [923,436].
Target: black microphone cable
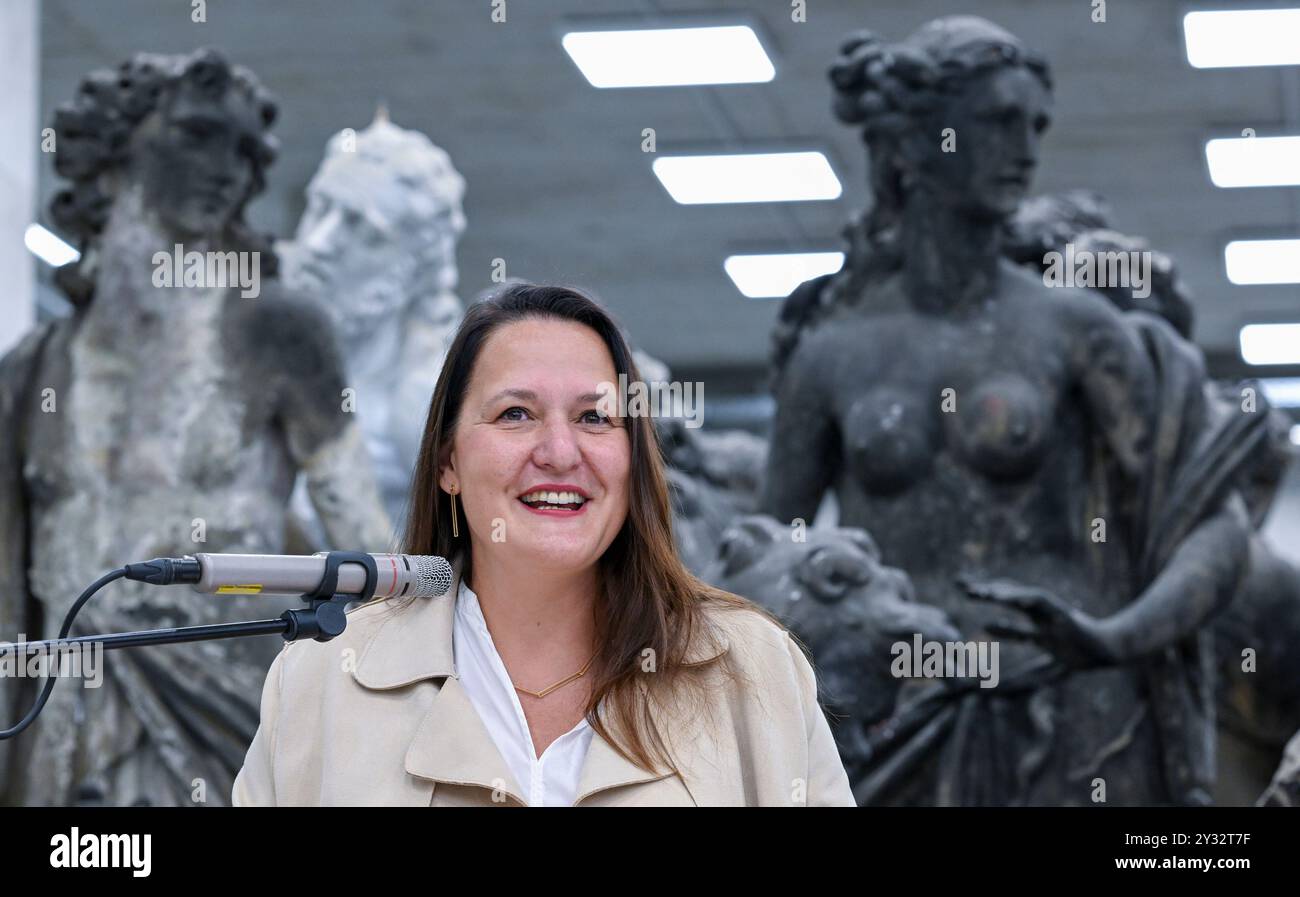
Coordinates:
[165,571]
[94,587]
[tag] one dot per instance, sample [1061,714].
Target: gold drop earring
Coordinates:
[455,524]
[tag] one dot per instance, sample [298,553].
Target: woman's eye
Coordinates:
[594,417]
[509,414]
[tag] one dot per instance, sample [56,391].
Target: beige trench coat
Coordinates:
[378,717]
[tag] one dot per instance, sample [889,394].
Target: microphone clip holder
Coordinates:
[325,616]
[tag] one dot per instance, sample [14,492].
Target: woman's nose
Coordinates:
[557,446]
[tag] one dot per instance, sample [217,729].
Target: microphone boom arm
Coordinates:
[322,620]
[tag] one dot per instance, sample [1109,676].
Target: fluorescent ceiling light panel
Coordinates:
[670,57]
[1270,343]
[1254,161]
[1262,261]
[776,275]
[749,177]
[1231,38]
[49,247]
[1282,392]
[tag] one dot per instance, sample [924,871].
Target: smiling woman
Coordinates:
[575,659]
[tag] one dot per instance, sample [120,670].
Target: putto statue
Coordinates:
[377,243]
[165,416]
[1043,465]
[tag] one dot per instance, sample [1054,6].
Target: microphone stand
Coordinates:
[323,619]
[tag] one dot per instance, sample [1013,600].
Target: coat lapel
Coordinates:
[605,768]
[453,746]
[412,644]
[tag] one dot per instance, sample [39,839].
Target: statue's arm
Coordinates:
[1203,572]
[803,453]
[319,418]
[1199,581]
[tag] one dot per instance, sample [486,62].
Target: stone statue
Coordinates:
[714,477]
[1284,789]
[169,414]
[1046,224]
[1257,637]
[377,243]
[830,587]
[1257,641]
[1041,464]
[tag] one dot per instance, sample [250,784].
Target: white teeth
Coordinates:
[554,498]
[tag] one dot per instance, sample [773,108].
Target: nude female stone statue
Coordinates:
[162,420]
[1024,453]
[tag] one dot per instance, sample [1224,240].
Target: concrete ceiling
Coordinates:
[559,186]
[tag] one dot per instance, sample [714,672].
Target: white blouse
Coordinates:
[547,781]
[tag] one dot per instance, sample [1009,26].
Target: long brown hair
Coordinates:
[648,600]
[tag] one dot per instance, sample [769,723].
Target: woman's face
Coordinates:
[529,427]
[997,122]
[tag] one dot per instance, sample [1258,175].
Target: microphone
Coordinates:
[399,575]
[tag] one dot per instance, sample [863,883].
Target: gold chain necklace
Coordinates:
[546,691]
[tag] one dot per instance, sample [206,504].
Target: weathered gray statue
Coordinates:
[1041,464]
[830,587]
[1284,789]
[1257,637]
[714,477]
[169,414]
[1257,643]
[377,242]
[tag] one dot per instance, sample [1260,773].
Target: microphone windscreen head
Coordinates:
[432,575]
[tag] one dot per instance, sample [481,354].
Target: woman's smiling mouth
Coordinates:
[559,501]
